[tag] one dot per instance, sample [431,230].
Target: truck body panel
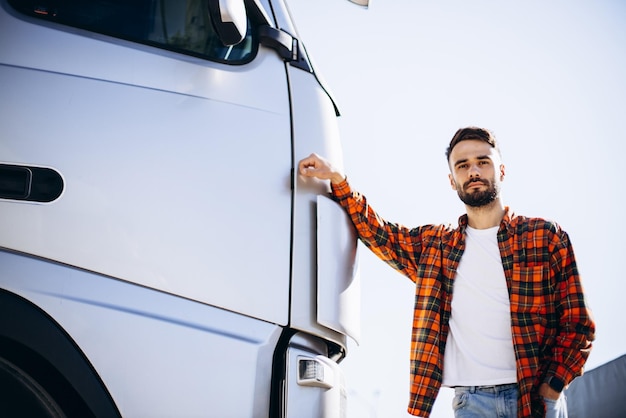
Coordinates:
[155,352]
[136,157]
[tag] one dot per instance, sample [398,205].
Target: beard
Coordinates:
[479,198]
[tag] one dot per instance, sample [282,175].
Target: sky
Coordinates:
[547,77]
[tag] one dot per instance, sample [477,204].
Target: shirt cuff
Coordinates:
[341,190]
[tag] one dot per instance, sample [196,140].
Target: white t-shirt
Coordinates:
[479,349]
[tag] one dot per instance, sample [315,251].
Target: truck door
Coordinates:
[175,151]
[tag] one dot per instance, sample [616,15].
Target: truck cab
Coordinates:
[159,254]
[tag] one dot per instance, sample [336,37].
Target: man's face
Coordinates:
[476,172]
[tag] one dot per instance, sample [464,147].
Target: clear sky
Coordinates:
[548,77]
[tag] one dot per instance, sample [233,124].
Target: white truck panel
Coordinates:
[156,353]
[185,189]
[338,280]
[320,262]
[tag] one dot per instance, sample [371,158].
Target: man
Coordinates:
[517,330]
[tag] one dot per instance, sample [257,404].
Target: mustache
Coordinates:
[467,183]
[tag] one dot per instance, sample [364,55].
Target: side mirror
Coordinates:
[229,20]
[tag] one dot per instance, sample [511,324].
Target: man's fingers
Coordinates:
[305,165]
[309,164]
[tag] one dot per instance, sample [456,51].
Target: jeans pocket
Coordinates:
[550,403]
[556,408]
[459,400]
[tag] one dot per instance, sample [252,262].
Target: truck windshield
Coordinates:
[178,25]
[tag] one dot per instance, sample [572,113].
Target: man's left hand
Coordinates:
[547,392]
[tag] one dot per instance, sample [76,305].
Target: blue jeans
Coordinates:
[485,401]
[497,401]
[556,409]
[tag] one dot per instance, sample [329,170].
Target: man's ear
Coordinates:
[452,182]
[502,172]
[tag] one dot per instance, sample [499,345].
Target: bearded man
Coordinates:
[500,313]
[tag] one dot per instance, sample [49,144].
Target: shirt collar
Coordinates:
[505,223]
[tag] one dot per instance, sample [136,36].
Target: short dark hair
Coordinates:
[472,132]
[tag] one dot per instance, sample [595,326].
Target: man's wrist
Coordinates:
[337,178]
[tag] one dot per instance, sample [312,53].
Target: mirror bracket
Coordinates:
[286,45]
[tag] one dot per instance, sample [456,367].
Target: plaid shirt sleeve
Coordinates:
[395,244]
[577,328]
[552,326]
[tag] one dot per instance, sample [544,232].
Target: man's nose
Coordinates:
[474,171]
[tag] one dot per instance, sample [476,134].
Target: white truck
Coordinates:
[159,256]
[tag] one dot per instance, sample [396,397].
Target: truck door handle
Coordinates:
[35,184]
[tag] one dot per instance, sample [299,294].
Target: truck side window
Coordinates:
[182,26]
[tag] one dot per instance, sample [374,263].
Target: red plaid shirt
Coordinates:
[551,325]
